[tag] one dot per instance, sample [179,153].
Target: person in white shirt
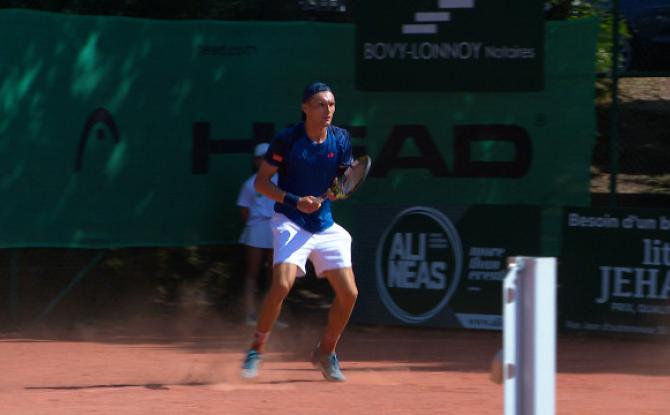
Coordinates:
[256,211]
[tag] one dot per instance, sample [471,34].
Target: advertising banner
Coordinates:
[438,266]
[614,273]
[449,45]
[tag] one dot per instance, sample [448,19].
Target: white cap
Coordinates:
[261,149]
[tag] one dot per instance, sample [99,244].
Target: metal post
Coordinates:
[509,360]
[529,336]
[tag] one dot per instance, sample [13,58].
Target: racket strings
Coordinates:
[353,178]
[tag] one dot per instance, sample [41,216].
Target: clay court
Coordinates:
[184,367]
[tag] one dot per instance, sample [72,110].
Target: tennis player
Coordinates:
[307,157]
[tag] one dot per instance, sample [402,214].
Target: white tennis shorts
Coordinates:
[328,249]
[258,234]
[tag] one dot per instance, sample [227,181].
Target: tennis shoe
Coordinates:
[329,366]
[251,363]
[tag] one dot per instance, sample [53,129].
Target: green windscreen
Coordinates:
[128,132]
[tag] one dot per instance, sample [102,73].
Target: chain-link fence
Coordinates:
[45,284]
[631,166]
[631,157]
[76,288]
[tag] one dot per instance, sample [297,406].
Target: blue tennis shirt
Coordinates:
[307,168]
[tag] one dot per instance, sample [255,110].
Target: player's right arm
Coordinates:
[265,186]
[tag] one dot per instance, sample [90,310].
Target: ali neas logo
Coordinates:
[418,264]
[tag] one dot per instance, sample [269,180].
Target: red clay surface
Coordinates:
[390,370]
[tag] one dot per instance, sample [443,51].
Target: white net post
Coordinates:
[529,336]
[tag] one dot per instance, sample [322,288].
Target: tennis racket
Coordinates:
[352,178]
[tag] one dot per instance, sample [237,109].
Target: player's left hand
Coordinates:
[309,204]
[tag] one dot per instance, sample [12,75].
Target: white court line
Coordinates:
[419,29]
[456,4]
[432,16]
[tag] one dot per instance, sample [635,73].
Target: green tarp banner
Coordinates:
[127,132]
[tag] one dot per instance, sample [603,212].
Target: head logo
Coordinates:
[425,23]
[418,264]
[98,116]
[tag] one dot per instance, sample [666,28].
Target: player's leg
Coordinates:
[291,249]
[344,285]
[269,269]
[324,357]
[282,280]
[332,260]
[283,277]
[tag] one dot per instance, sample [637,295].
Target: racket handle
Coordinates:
[323,197]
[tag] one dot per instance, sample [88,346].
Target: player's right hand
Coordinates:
[309,204]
